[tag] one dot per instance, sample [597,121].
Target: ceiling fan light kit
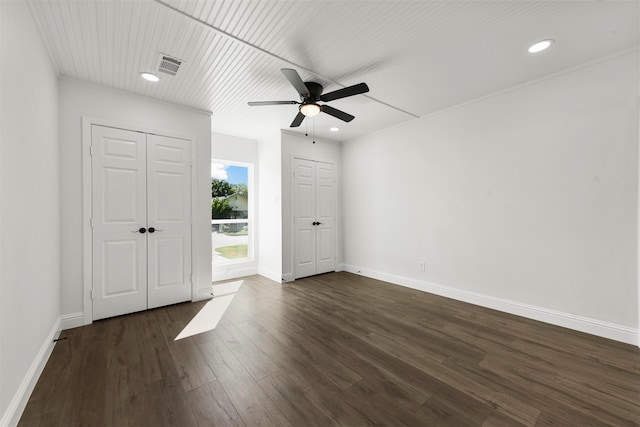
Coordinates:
[310,110]
[310,94]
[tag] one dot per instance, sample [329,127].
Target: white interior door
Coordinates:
[325,218]
[169,220]
[141,221]
[119,211]
[304,212]
[314,217]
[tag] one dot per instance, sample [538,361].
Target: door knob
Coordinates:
[142,230]
[153,230]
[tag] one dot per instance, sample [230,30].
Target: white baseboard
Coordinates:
[21,397]
[234,274]
[272,275]
[579,323]
[290,277]
[72,320]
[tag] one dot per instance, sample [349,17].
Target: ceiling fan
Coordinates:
[310,93]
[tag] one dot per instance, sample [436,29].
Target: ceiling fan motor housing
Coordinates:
[315,91]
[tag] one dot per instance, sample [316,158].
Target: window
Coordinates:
[231,217]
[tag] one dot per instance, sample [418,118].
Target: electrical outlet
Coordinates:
[422,266]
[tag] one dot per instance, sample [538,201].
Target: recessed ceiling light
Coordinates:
[150,77]
[334,129]
[540,46]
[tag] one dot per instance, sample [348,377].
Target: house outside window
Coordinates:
[231,216]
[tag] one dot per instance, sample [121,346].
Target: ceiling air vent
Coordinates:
[169,65]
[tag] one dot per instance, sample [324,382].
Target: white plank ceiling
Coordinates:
[418,57]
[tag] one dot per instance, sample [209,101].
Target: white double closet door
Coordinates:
[314,217]
[141,221]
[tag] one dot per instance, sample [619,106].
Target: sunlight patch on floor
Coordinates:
[226,288]
[208,317]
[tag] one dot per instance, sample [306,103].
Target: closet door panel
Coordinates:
[325,214]
[169,219]
[304,211]
[118,212]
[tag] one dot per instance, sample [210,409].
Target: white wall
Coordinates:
[270,208]
[234,149]
[80,99]
[527,199]
[30,208]
[294,145]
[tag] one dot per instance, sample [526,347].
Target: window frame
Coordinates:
[249,220]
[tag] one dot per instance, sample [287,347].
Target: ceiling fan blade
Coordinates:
[297,121]
[337,113]
[257,103]
[295,79]
[344,92]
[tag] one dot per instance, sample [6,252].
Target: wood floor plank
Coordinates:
[312,351]
[548,366]
[212,407]
[579,396]
[454,409]
[252,403]
[329,398]
[401,390]
[150,344]
[257,362]
[297,365]
[545,406]
[380,408]
[167,405]
[497,419]
[190,364]
[294,403]
[579,364]
[335,349]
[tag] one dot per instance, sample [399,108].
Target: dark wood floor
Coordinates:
[336,349]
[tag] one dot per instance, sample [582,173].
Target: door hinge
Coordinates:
[91,295]
[91,222]
[91,150]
